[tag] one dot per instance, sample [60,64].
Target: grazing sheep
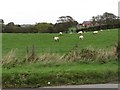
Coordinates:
[101,30]
[81,37]
[56,38]
[60,33]
[80,32]
[95,32]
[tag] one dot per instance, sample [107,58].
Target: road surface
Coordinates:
[87,86]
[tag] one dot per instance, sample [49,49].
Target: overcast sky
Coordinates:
[33,11]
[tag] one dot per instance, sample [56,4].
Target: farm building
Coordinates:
[87,23]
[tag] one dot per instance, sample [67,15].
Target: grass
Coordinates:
[36,75]
[43,68]
[44,43]
[70,61]
[87,55]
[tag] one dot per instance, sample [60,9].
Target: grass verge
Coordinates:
[38,75]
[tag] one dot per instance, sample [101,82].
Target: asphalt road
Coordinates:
[87,86]
[108,86]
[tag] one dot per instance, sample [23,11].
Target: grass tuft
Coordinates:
[10,59]
[87,55]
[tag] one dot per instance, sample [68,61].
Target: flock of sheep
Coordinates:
[56,38]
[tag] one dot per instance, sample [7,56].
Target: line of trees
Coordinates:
[105,21]
[63,24]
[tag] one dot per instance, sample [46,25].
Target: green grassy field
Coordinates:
[45,43]
[50,68]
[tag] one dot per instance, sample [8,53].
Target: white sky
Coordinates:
[32,11]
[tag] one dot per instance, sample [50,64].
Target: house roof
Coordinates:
[87,22]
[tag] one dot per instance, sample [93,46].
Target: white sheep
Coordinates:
[81,37]
[80,32]
[60,33]
[56,38]
[95,32]
[101,30]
